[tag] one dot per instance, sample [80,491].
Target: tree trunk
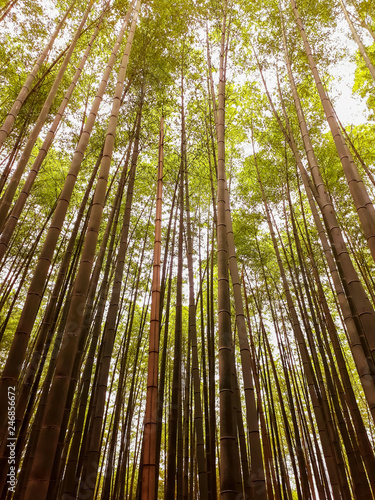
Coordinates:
[228,445]
[19,345]
[149,479]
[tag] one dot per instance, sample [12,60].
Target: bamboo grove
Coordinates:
[187,244]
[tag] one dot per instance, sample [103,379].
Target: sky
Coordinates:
[351,109]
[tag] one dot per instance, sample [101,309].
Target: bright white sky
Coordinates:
[351,109]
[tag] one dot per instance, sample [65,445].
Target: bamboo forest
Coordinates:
[187,249]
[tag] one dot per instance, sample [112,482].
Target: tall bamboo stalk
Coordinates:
[149,479]
[228,444]
[41,470]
